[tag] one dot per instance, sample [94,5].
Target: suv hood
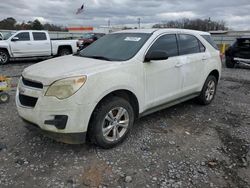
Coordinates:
[3,43]
[51,70]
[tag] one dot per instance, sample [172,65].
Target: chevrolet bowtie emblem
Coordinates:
[21,90]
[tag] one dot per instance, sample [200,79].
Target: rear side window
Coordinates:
[244,43]
[202,47]
[39,36]
[24,36]
[188,44]
[167,43]
[209,39]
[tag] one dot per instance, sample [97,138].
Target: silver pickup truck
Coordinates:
[28,43]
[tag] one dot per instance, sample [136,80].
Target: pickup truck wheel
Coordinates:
[208,91]
[64,51]
[230,63]
[4,57]
[111,122]
[4,97]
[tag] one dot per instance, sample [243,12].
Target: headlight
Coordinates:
[65,88]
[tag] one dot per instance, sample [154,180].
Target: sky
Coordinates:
[235,13]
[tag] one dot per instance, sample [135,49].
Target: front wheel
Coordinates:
[230,63]
[4,97]
[4,57]
[208,91]
[111,122]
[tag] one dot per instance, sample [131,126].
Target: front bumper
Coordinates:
[242,60]
[57,118]
[68,138]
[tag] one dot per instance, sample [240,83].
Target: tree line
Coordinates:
[11,24]
[195,24]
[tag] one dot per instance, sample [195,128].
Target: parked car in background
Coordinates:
[121,77]
[238,53]
[28,43]
[88,38]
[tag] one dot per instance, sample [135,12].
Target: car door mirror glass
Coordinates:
[15,39]
[156,55]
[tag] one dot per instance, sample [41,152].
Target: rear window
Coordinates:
[39,36]
[209,39]
[243,43]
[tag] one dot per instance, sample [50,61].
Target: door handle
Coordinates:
[29,43]
[178,65]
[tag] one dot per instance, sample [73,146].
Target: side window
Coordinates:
[188,44]
[39,36]
[24,36]
[202,47]
[167,43]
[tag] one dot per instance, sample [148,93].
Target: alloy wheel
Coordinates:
[115,124]
[209,94]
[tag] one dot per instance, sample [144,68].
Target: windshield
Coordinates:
[6,36]
[116,47]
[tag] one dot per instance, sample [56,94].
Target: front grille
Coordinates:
[32,83]
[27,101]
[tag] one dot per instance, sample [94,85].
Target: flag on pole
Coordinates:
[80,10]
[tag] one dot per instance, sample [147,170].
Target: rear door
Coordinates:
[23,46]
[163,78]
[41,44]
[192,62]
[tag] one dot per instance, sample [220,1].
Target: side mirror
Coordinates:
[14,39]
[156,55]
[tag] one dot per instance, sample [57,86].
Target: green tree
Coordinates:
[8,23]
[36,25]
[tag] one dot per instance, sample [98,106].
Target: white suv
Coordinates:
[97,94]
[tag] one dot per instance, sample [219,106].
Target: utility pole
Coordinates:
[139,23]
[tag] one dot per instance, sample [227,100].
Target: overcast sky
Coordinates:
[98,12]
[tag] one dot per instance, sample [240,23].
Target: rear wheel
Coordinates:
[4,57]
[208,91]
[230,63]
[64,51]
[4,97]
[111,122]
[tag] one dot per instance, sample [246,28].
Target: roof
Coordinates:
[169,30]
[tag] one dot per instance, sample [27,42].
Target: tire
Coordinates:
[4,97]
[108,128]
[4,57]
[208,91]
[230,63]
[64,51]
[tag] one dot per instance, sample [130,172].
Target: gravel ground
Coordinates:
[183,146]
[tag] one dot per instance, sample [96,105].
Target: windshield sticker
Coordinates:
[133,39]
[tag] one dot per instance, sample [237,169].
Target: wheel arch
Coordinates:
[123,93]
[215,73]
[64,47]
[5,49]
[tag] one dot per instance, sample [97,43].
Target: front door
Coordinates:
[163,78]
[22,47]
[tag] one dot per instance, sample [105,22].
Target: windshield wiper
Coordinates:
[97,57]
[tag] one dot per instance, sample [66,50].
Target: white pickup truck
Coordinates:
[28,43]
